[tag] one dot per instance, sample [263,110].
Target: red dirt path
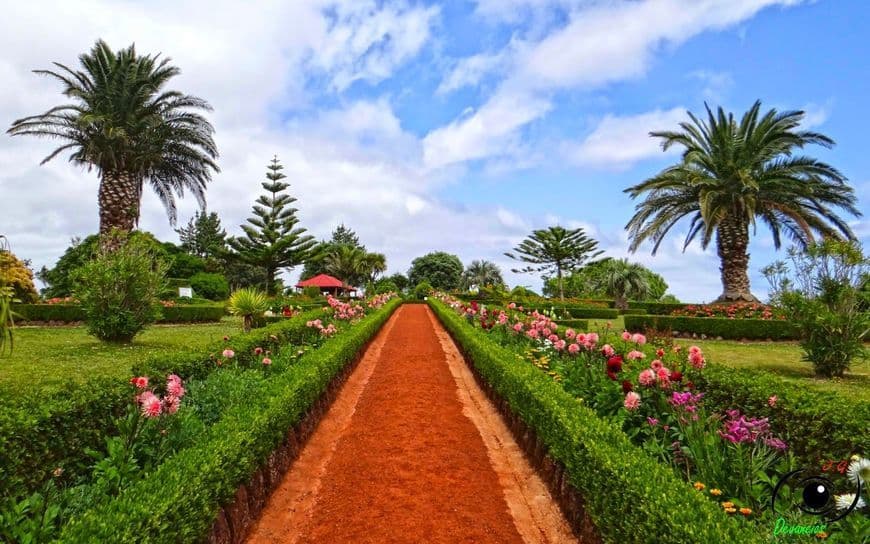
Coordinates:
[403,462]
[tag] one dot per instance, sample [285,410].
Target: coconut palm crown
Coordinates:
[123,122]
[733,174]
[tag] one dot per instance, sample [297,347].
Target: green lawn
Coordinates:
[780,358]
[49,357]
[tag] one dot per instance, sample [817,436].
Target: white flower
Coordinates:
[859,470]
[844,502]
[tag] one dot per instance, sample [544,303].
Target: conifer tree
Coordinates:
[272,239]
[203,236]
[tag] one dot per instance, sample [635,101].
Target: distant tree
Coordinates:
[345,236]
[731,174]
[555,250]
[341,236]
[623,280]
[15,274]
[203,236]
[373,265]
[346,263]
[440,270]
[272,238]
[482,273]
[400,281]
[124,122]
[586,283]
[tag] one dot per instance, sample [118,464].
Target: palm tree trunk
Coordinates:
[732,245]
[118,201]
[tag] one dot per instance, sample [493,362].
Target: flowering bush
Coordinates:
[737,310]
[61,300]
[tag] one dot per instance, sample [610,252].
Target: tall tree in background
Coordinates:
[203,236]
[623,280]
[126,124]
[272,238]
[441,270]
[555,250]
[373,265]
[734,173]
[345,236]
[341,236]
[586,282]
[482,273]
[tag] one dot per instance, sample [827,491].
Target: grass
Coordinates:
[781,358]
[47,358]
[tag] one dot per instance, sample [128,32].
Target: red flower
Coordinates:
[627,386]
[611,375]
[660,353]
[614,364]
[676,376]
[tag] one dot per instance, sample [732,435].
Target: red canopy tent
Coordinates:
[326,283]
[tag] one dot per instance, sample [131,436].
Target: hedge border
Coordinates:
[577,324]
[628,496]
[73,313]
[732,329]
[41,433]
[215,488]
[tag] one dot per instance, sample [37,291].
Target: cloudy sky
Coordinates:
[456,126]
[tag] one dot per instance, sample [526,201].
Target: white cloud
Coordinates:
[601,43]
[469,71]
[618,142]
[715,84]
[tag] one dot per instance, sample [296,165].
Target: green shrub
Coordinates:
[192,314]
[39,434]
[195,482]
[210,286]
[633,311]
[248,303]
[815,424]
[628,495]
[311,292]
[119,289]
[752,329]
[657,308]
[580,312]
[422,290]
[576,324]
[67,313]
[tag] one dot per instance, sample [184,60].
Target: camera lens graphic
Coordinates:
[816,493]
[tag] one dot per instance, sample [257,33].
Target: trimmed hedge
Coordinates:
[576,324]
[658,308]
[580,312]
[753,329]
[68,313]
[815,424]
[179,500]
[628,495]
[39,434]
[633,311]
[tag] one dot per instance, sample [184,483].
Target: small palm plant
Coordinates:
[623,280]
[248,303]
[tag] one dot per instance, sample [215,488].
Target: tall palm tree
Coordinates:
[623,280]
[482,273]
[373,265]
[555,249]
[346,263]
[123,122]
[733,173]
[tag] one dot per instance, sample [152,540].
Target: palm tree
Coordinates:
[622,281]
[346,263]
[482,273]
[123,122]
[373,265]
[732,174]
[555,249]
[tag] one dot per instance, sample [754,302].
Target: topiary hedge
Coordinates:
[580,312]
[192,314]
[629,496]
[815,424]
[39,434]
[69,313]
[576,324]
[753,329]
[193,484]
[657,308]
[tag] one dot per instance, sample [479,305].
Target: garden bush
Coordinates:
[579,312]
[576,324]
[752,329]
[195,482]
[657,308]
[67,313]
[119,289]
[192,314]
[209,285]
[633,311]
[628,495]
[40,434]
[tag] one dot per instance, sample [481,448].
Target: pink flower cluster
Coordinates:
[152,405]
[379,300]
[345,310]
[696,358]
[327,331]
[658,374]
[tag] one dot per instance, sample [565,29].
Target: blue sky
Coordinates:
[455,126]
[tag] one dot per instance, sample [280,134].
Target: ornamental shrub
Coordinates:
[119,289]
[209,285]
[423,290]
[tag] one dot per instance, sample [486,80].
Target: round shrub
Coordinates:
[210,286]
[119,289]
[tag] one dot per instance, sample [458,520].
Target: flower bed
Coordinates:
[739,310]
[719,437]
[194,483]
[628,495]
[751,329]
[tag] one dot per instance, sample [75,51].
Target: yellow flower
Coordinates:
[727,504]
[715,492]
[730,510]
[745,511]
[699,486]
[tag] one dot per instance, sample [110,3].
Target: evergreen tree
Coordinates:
[345,236]
[342,236]
[272,238]
[203,236]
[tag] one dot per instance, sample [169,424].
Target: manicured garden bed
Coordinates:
[714,327]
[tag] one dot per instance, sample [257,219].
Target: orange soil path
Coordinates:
[411,451]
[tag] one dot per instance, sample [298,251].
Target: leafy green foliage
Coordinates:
[586,283]
[440,270]
[203,236]
[7,319]
[760,329]
[422,290]
[555,250]
[209,285]
[119,289]
[623,476]
[483,274]
[248,303]
[16,275]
